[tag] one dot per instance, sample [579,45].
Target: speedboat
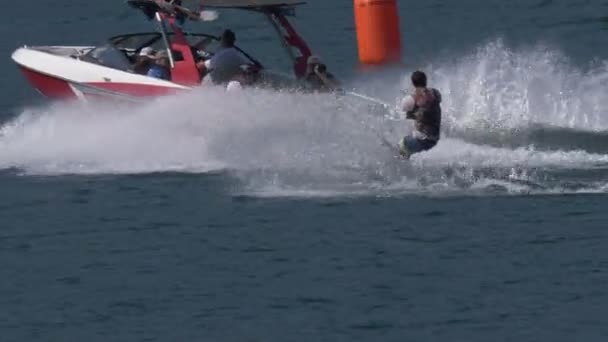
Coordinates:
[107,71]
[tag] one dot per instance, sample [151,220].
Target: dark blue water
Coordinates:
[279,217]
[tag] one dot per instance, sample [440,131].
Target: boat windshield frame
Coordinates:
[155,38]
[131,45]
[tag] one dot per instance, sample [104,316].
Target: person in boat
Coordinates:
[234,86]
[318,78]
[424,107]
[226,64]
[144,61]
[161,66]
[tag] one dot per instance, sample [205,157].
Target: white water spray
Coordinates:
[500,88]
[311,145]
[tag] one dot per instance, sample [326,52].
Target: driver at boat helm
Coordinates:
[318,78]
[226,63]
[161,67]
[144,61]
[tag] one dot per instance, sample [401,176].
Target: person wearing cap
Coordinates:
[318,78]
[144,61]
[161,67]
[234,86]
[424,107]
[226,63]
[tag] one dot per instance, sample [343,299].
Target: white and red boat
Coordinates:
[84,72]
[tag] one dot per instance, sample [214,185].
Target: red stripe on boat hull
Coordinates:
[49,86]
[57,88]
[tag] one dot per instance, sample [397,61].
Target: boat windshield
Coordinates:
[121,51]
[135,41]
[109,56]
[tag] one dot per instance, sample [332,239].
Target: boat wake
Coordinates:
[522,122]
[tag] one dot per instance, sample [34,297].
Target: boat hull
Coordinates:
[49,86]
[64,77]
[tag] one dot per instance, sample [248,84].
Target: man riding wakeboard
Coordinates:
[423,106]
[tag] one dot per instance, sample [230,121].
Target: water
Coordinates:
[268,217]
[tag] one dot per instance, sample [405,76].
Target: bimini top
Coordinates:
[250,3]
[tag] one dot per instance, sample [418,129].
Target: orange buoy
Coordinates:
[378,34]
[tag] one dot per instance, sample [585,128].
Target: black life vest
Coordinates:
[427,112]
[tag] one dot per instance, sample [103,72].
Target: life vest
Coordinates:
[427,113]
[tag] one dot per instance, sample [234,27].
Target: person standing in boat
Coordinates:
[424,107]
[226,64]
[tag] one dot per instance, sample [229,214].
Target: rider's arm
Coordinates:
[408,105]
